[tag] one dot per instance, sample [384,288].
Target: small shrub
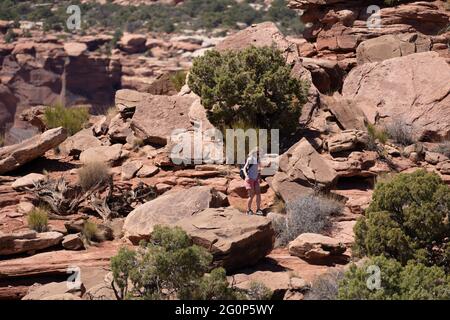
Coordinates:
[93,174]
[178,79]
[72,119]
[10,36]
[279,206]
[414,281]
[408,219]
[325,287]
[89,230]
[169,267]
[376,135]
[399,131]
[259,291]
[38,220]
[308,214]
[444,148]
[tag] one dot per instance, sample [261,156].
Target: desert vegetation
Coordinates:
[405,234]
[252,87]
[93,175]
[306,214]
[38,219]
[413,281]
[169,266]
[72,119]
[193,14]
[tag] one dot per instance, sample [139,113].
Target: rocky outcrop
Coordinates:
[422,80]
[8,105]
[79,142]
[391,46]
[168,209]
[13,157]
[155,117]
[133,43]
[27,181]
[260,35]
[107,154]
[54,291]
[43,73]
[338,27]
[347,140]
[227,234]
[27,241]
[319,249]
[304,165]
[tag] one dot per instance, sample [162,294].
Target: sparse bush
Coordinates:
[93,175]
[168,267]
[89,230]
[408,219]
[399,131]
[259,291]
[308,214]
[38,220]
[279,206]
[325,287]
[376,135]
[178,79]
[253,86]
[414,281]
[444,148]
[10,36]
[72,119]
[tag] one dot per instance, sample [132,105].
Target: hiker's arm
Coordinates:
[247,162]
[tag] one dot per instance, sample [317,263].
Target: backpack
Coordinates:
[242,173]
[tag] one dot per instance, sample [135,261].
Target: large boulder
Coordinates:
[13,157]
[79,142]
[347,140]
[107,154]
[133,43]
[391,46]
[303,164]
[27,241]
[234,239]
[287,189]
[347,114]
[264,34]
[414,88]
[318,249]
[156,117]
[27,181]
[54,291]
[168,209]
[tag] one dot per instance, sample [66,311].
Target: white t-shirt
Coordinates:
[251,167]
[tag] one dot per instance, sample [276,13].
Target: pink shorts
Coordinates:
[251,184]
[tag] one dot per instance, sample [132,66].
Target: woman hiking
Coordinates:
[252,177]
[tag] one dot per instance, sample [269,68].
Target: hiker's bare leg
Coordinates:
[251,195]
[258,196]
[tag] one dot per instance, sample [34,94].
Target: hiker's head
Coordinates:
[254,152]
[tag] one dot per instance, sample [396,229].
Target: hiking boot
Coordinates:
[250,212]
[259,212]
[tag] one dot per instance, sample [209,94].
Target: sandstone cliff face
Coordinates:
[43,73]
[337,27]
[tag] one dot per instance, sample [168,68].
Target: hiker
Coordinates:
[252,176]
